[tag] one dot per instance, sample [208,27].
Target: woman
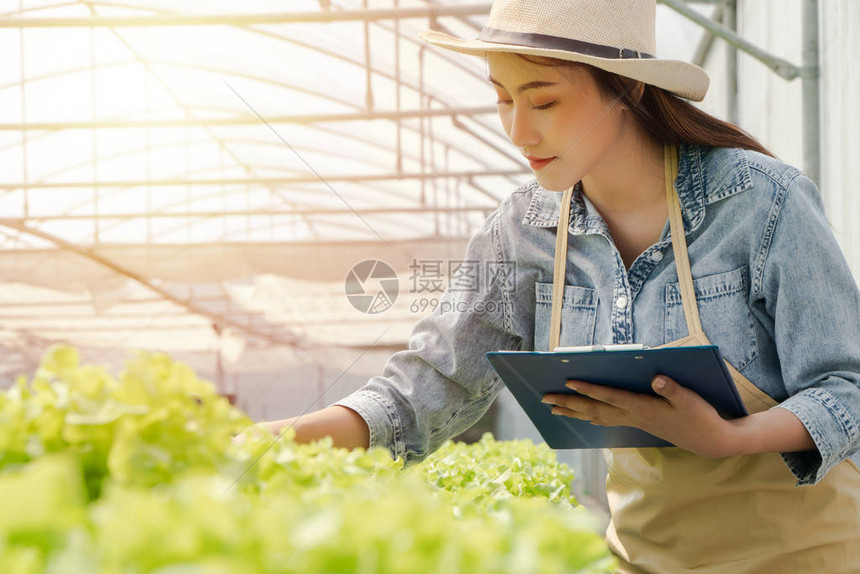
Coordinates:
[648,222]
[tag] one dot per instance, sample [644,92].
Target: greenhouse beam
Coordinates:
[431,12]
[269,213]
[356,178]
[249,119]
[782,67]
[89,254]
[810,88]
[808,72]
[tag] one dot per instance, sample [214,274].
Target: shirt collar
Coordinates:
[705,175]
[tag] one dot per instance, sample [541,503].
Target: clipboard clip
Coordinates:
[592,348]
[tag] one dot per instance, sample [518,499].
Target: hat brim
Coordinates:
[681,78]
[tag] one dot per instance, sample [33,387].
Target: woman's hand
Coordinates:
[677,415]
[264,428]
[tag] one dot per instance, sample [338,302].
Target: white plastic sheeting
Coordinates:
[150,172]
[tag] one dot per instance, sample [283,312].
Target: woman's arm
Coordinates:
[442,384]
[774,430]
[345,426]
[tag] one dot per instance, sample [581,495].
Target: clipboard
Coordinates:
[531,375]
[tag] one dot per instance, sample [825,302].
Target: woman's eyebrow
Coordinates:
[526,86]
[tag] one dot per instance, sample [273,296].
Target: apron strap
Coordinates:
[559,270]
[679,247]
[679,243]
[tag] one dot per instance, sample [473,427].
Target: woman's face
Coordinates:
[556,116]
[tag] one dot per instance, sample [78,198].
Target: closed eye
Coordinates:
[540,107]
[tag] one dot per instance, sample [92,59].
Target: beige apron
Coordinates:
[673,511]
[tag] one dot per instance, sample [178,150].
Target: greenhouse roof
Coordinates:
[207,179]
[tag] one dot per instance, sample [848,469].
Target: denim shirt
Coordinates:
[773,289]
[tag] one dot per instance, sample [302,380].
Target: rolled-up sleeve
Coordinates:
[833,429]
[813,298]
[443,383]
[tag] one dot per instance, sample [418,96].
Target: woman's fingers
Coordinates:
[670,390]
[582,408]
[615,397]
[563,411]
[600,404]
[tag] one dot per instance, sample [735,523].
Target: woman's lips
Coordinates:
[537,163]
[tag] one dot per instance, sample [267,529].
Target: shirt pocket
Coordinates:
[578,316]
[723,310]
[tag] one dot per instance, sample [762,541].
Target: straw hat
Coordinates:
[615,35]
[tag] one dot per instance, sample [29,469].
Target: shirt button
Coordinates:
[621,302]
[657,256]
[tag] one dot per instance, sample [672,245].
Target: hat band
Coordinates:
[497,36]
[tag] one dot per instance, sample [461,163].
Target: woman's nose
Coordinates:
[523,132]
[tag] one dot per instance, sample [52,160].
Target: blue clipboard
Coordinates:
[531,375]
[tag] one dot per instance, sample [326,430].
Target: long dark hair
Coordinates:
[665,117]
